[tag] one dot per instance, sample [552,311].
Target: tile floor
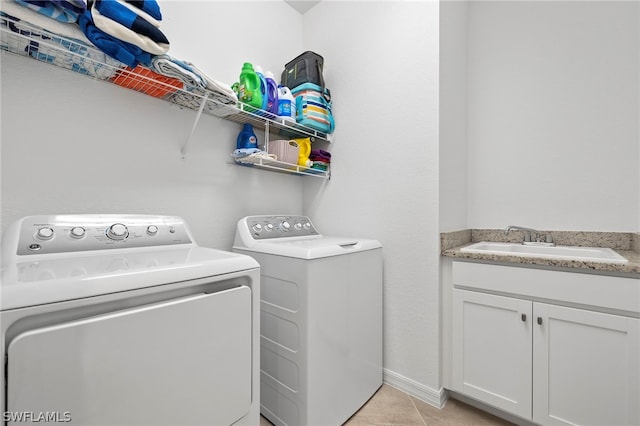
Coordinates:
[390,406]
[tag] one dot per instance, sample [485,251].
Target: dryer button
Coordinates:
[117,231]
[77,232]
[45,233]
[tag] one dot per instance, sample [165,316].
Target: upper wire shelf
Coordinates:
[28,40]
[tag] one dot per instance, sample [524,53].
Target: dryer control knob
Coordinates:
[306,225]
[298,226]
[77,232]
[152,229]
[284,226]
[45,233]
[257,227]
[269,227]
[117,231]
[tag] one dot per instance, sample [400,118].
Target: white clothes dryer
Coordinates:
[321,319]
[125,320]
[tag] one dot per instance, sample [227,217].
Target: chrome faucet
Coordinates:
[531,236]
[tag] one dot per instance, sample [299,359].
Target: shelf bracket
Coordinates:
[183,149]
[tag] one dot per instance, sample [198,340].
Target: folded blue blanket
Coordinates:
[127,17]
[120,32]
[124,52]
[60,10]
[149,6]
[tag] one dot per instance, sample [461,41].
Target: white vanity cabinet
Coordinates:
[519,343]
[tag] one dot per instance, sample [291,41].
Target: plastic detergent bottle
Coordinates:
[247,138]
[286,104]
[249,86]
[263,87]
[272,93]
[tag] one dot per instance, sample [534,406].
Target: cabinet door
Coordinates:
[586,367]
[492,350]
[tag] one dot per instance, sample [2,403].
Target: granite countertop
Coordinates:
[625,244]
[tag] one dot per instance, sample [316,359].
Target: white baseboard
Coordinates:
[431,396]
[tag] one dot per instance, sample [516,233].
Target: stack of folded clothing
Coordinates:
[320,159]
[126,30]
[198,82]
[61,10]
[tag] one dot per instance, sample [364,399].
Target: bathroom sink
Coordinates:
[584,254]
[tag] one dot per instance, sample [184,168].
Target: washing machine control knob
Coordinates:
[77,232]
[45,233]
[284,226]
[152,230]
[306,225]
[269,227]
[297,226]
[257,227]
[117,231]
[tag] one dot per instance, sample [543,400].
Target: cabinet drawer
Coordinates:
[619,294]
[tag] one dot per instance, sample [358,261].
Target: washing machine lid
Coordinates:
[37,280]
[293,236]
[311,247]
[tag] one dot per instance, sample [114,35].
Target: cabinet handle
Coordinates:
[540,320]
[524,317]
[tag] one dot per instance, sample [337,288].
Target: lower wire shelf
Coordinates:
[282,167]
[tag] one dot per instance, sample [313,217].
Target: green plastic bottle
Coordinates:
[249,87]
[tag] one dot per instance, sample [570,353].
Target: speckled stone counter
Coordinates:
[625,244]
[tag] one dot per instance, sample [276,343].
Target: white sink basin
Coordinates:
[585,254]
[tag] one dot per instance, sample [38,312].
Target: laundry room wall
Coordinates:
[71,144]
[553,107]
[381,64]
[453,115]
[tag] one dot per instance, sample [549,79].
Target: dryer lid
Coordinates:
[50,279]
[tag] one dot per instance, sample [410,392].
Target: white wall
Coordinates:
[553,129]
[453,115]
[381,63]
[72,144]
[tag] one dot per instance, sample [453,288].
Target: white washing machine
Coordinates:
[124,320]
[321,319]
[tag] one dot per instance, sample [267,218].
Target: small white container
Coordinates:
[284,150]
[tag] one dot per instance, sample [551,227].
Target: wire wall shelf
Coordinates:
[25,39]
[282,167]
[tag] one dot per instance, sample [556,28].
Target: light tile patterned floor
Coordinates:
[390,406]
